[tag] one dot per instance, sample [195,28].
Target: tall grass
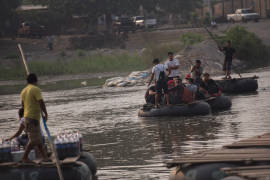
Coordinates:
[91,63]
[87,64]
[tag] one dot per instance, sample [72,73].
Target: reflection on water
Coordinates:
[129,147]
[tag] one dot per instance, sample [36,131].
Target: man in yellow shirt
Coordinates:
[33,104]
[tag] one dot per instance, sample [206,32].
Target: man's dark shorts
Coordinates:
[162,85]
[227,65]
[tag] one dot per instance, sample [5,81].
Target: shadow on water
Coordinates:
[129,147]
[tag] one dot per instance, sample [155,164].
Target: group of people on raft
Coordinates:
[167,82]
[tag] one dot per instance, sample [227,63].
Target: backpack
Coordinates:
[161,76]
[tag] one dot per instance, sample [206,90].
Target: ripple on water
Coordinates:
[129,147]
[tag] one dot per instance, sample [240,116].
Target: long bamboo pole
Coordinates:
[57,162]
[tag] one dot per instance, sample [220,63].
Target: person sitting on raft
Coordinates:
[159,76]
[193,88]
[196,72]
[176,91]
[209,87]
[150,95]
[23,139]
[180,94]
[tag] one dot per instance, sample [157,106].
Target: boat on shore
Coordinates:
[192,109]
[238,85]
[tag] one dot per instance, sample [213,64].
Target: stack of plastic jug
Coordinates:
[68,144]
[5,151]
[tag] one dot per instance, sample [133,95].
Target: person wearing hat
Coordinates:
[209,87]
[193,88]
[159,76]
[196,72]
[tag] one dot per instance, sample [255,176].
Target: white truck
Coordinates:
[243,15]
[141,22]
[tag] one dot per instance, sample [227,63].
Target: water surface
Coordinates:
[129,147]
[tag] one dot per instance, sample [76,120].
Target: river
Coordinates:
[129,147]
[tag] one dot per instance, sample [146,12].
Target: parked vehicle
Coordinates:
[243,15]
[139,21]
[30,29]
[124,24]
[150,23]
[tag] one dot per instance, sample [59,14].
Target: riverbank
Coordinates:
[63,63]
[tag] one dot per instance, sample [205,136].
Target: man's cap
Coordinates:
[188,76]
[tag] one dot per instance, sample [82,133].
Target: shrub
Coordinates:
[191,38]
[248,46]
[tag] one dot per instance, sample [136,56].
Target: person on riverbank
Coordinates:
[172,65]
[50,42]
[196,72]
[230,54]
[159,76]
[33,105]
[209,87]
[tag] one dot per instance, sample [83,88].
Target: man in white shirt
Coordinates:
[159,76]
[172,66]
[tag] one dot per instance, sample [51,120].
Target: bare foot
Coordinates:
[26,161]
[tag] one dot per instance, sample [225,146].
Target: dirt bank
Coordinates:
[36,50]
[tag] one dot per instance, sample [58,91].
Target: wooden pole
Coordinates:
[59,170]
[23,58]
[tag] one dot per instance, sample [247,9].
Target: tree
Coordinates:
[8,18]
[96,8]
[180,7]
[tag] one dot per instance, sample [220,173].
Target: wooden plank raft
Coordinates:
[249,172]
[255,149]
[39,163]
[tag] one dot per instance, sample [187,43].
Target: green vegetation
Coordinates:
[94,63]
[87,64]
[60,85]
[191,38]
[249,47]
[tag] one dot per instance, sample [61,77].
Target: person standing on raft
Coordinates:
[172,65]
[230,54]
[159,76]
[196,72]
[33,104]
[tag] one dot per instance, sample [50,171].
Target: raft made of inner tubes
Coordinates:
[219,103]
[74,168]
[238,85]
[192,109]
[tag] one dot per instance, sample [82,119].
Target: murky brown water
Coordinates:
[129,147]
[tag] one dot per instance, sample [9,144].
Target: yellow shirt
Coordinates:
[31,95]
